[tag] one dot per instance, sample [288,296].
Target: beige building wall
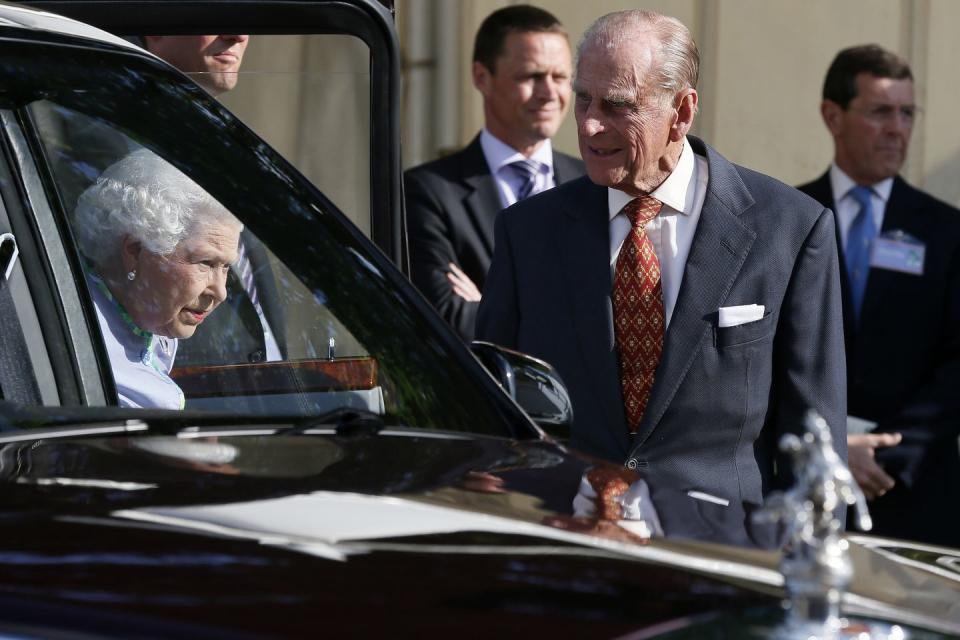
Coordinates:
[763,63]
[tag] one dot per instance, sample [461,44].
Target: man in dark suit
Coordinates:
[901,296]
[691,306]
[521,67]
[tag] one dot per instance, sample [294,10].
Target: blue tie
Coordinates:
[859,241]
[527,170]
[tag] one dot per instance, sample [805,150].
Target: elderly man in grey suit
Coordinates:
[521,67]
[692,306]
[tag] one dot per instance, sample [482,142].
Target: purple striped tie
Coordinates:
[527,170]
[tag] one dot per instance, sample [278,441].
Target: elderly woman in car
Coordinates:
[157,249]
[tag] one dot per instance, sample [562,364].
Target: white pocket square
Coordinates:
[740,314]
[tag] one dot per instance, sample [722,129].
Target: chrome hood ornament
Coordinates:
[816,565]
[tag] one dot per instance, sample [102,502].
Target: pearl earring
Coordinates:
[131,275]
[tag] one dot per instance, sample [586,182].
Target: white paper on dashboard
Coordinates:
[740,314]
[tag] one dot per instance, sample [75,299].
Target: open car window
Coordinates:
[333,326]
[307,95]
[317,75]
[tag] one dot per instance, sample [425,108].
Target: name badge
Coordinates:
[898,251]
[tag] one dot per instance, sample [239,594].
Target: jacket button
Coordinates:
[257,356]
[632,464]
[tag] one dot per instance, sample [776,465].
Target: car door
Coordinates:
[317,75]
[355,334]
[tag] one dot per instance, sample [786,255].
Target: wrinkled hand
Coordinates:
[462,285]
[873,480]
[599,510]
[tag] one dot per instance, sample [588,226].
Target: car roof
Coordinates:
[12,15]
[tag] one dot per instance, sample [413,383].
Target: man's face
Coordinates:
[526,96]
[872,134]
[212,61]
[624,121]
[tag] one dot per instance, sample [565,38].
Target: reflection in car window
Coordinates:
[308,96]
[345,331]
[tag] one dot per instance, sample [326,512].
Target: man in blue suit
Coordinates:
[901,294]
[691,306]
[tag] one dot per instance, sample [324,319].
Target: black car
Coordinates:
[376,480]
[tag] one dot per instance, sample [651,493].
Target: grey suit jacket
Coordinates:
[451,207]
[722,397]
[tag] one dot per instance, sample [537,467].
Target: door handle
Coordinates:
[8,254]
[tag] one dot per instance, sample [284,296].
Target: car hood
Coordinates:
[267,534]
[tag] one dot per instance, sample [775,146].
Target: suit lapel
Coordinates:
[720,247]
[822,191]
[271,299]
[584,248]
[481,201]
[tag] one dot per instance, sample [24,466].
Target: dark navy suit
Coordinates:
[451,206]
[903,366]
[722,396]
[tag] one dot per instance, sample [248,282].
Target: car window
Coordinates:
[306,95]
[347,330]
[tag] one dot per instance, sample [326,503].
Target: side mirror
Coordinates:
[532,383]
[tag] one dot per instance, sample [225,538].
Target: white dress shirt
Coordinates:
[848,207]
[671,232]
[499,154]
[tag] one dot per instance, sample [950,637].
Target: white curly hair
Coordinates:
[678,59]
[143,196]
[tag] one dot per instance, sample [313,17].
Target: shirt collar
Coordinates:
[499,154]
[672,192]
[841,184]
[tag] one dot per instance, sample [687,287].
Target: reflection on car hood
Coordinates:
[326,527]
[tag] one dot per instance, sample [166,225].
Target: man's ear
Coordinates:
[482,78]
[130,250]
[832,114]
[684,112]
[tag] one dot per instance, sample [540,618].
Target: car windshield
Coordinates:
[311,316]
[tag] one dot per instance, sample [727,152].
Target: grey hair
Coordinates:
[677,58]
[147,198]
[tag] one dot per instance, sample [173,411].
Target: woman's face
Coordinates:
[171,295]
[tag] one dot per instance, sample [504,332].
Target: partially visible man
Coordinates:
[901,296]
[212,61]
[691,306]
[521,67]
[244,329]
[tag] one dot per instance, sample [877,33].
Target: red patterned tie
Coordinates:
[638,317]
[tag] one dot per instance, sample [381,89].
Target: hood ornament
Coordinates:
[816,565]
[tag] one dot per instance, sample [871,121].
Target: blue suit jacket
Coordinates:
[722,396]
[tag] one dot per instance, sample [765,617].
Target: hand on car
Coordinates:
[599,509]
[462,284]
[861,449]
